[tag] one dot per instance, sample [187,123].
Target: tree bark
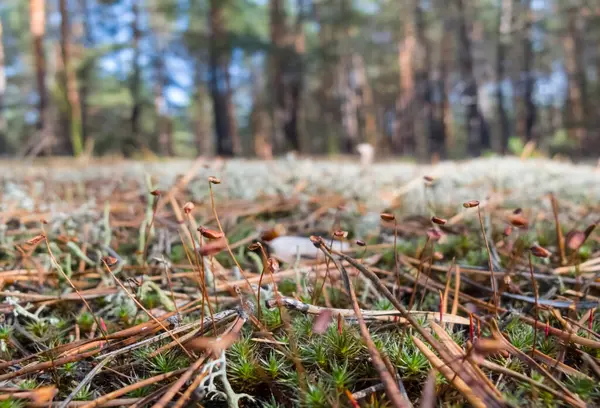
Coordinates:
[218,79]
[504,35]
[70,85]
[37,21]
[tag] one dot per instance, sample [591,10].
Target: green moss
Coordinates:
[243,364]
[346,344]
[166,362]
[316,396]
[12,403]
[315,353]
[84,394]
[586,388]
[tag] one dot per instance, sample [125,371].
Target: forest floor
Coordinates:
[299,282]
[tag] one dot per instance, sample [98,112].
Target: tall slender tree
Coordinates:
[421,69]
[444,115]
[70,81]
[477,136]
[527,111]
[403,140]
[277,25]
[219,78]
[37,21]
[201,121]
[3,130]
[577,97]
[286,66]
[505,15]
[133,139]
[87,69]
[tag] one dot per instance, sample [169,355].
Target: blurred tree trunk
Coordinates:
[3,129]
[505,16]
[133,141]
[296,82]
[233,127]
[326,90]
[576,101]
[413,128]
[278,32]
[287,65]
[404,136]
[527,110]
[347,89]
[218,79]
[37,21]
[445,118]
[86,74]
[70,85]
[349,105]
[367,106]
[421,67]
[165,137]
[477,137]
[259,119]
[201,131]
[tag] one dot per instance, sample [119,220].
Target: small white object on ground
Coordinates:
[288,247]
[366,152]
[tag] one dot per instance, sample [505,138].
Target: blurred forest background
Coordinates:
[417,78]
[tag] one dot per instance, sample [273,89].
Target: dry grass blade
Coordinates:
[450,375]
[529,361]
[386,315]
[391,387]
[557,365]
[88,378]
[176,386]
[457,353]
[527,379]
[132,387]
[40,395]
[428,396]
[150,315]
